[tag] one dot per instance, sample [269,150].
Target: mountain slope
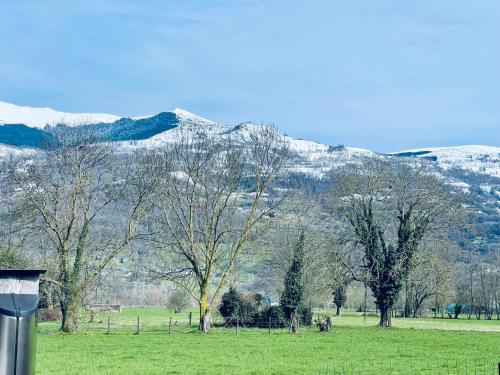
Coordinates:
[473,158]
[35,127]
[474,169]
[40,117]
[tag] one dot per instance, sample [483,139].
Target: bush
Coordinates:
[250,311]
[324,323]
[275,313]
[234,306]
[48,315]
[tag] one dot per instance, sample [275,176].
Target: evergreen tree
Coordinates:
[339,297]
[231,303]
[292,297]
[234,307]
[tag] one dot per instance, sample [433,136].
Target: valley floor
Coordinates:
[356,346]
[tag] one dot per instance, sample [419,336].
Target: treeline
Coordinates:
[194,211]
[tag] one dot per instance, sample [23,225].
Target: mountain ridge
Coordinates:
[32,128]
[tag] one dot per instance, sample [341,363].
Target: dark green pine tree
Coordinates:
[339,297]
[230,307]
[292,297]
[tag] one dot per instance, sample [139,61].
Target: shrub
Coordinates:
[234,306]
[324,323]
[48,315]
[275,313]
[250,311]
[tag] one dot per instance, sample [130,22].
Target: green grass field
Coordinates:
[413,346]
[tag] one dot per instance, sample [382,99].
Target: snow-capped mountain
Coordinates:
[473,169]
[313,159]
[41,117]
[26,128]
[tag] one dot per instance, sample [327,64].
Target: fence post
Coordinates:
[108,325]
[269,327]
[190,317]
[498,368]
[170,326]
[138,327]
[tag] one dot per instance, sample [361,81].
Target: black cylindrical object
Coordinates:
[18,306]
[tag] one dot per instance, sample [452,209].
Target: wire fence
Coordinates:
[168,324]
[114,322]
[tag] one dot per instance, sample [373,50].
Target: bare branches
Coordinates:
[64,195]
[389,209]
[211,197]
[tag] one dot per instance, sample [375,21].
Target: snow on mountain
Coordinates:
[188,125]
[186,116]
[183,116]
[474,158]
[40,117]
[312,158]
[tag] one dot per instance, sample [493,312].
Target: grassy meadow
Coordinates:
[356,346]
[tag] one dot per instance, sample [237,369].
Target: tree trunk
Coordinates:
[406,306]
[294,323]
[365,300]
[204,313]
[338,310]
[68,315]
[64,317]
[385,317]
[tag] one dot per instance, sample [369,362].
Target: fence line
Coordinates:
[170,324]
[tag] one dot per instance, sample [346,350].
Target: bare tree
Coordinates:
[300,214]
[66,196]
[388,209]
[430,277]
[480,284]
[212,198]
[179,300]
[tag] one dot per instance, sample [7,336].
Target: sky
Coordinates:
[384,75]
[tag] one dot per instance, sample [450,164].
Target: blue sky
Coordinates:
[385,75]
